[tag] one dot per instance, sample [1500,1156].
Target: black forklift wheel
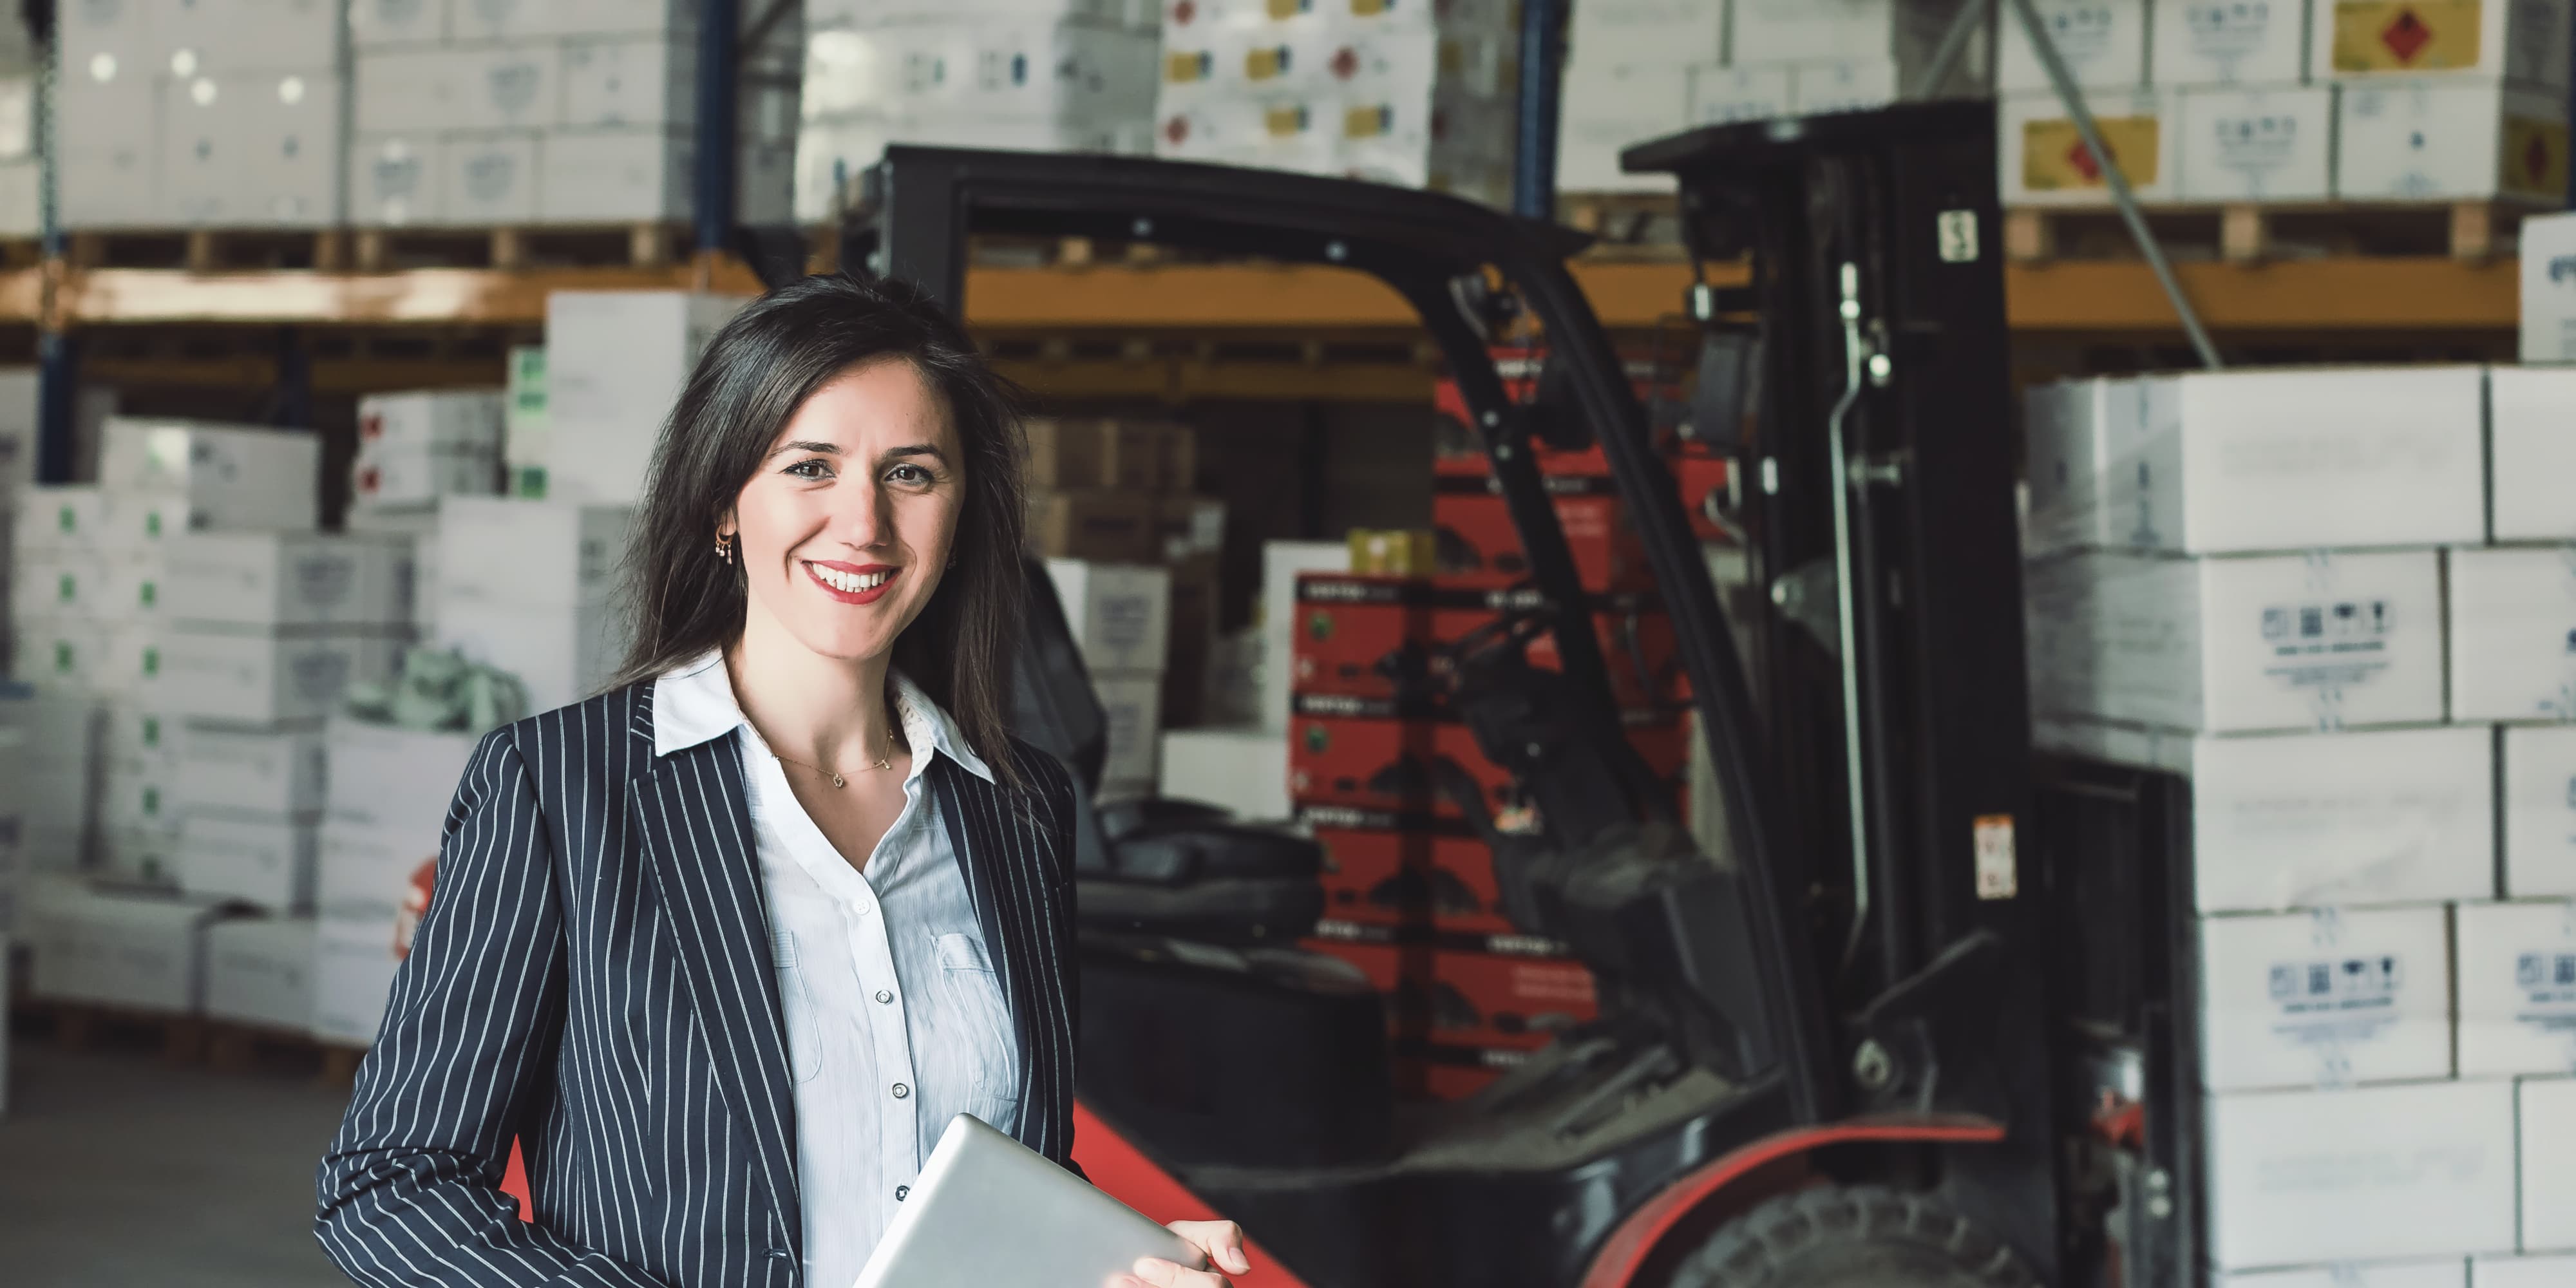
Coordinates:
[1863,1236]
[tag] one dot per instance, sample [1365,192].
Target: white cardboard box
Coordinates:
[1607,110]
[140,794]
[2282,821]
[2449,1272]
[2513,633]
[267,863]
[2281,643]
[394,180]
[260,971]
[2439,139]
[1642,32]
[2306,459]
[2361,1174]
[398,478]
[2539,796]
[141,951]
[1281,561]
[1725,95]
[267,679]
[629,80]
[561,655]
[2548,289]
[615,361]
[2045,162]
[1120,614]
[2229,42]
[1133,705]
[1811,30]
[395,780]
[2548,1166]
[2265,144]
[2103,43]
[2517,988]
[60,583]
[369,872]
[60,653]
[2529,433]
[487,178]
[1244,770]
[2325,998]
[58,516]
[2523,40]
[464,421]
[1849,85]
[265,581]
[251,772]
[353,972]
[140,857]
[2522,1272]
[241,476]
[530,555]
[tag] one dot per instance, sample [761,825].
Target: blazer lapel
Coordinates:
[1002,855]
[693,816]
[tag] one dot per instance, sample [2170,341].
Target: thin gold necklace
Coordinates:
[885,761]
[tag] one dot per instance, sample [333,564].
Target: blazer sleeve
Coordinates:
[1058,792]
[410,1190]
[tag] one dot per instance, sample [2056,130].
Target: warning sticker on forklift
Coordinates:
[1998,866]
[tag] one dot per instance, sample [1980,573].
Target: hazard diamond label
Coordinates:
[2406,35]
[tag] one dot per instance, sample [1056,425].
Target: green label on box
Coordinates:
[151,731]
[152,661]
[150,592]
[1317,739]
[532,482]
[151,800]
[63,656]
[66,520]
[152,524]
[66,589]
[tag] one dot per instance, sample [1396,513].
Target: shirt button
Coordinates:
[884,996]
[900,1191]
[900,1091]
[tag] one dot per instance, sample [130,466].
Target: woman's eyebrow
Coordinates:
[915,449]
[805,445]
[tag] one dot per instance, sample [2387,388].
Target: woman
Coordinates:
[726,947]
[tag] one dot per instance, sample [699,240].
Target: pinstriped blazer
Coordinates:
[592,978]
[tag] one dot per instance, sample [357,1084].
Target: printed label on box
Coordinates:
[2054,158]
[2406,35]
[2325,645]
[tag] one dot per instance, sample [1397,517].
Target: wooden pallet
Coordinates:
[2471,232]
[1625,225]
[83,1026]
[374,250]
[223,1046]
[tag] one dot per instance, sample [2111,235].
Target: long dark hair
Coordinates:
[755,375]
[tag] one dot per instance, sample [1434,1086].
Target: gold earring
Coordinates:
[724,547]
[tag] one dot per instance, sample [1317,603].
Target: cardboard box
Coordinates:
[394,780]
[142,858]
[1243,770]
[615,361]
[489,178]
[2521,40]
[1120,614]
[2517,988]
[561,655]
[2449,140]
[270,581]
[137,951]
[1112,527]
[2045,162]
[265,679]
[1811,30]
[2548,1108]
[2237,645]
[381,478]
[531,555]
[2522,1272]
[60,653]
[2270,144]
[1063,454]
[2513,634]
[238,477]
[1133,705]
[2325,998]
[1492,999]
[457,421]
[2229,42]
[1358,754]
[353,975]
[2281,821]
[1848,85]
[1609,108]
[2102,42]
[2548,302]
[1395,871]
[394,180]
[367,872]
[618,173]
[140,795]
[259,971]
[2065,436]
[57,517]
[2449,1272]
[1725,95]
[2360,1174]
[58,584]
[1647,32]
[250,772]
[2527,434]
[1281,563]
[2539,802]
[629,81]
[382,24]
[267,863]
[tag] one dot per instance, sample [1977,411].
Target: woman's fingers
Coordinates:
[1222,1241]
[1158,1273]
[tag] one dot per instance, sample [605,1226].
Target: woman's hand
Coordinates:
[1221,1241]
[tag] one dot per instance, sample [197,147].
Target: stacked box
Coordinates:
[390,789]
[1628,77]
[50,741]
[524,423]
[2446,102]
[614,364]
[2277,585]
[1417,95]
[1120,618]
[106,945]
[526,587]
[419,446]
[1850,55]
[1036,75]
[531,113]
[217,114]
[259,972]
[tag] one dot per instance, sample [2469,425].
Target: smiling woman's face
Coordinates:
[846,527]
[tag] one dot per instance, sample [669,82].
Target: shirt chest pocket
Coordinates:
[796,1006]
[983,1020]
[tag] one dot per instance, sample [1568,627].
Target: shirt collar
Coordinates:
[694,703]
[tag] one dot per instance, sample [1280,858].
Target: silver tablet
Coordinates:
[989,1212]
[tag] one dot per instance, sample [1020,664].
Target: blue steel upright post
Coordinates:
[1542,92]
[717,150]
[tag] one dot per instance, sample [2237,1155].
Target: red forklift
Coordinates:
[1835,1047]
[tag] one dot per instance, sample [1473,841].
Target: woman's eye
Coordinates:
[912,474]
[813,468]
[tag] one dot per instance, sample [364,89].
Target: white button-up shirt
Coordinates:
[896,1022]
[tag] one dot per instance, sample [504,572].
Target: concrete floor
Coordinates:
[117,1170]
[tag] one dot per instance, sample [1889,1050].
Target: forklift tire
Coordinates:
[1862,1236]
